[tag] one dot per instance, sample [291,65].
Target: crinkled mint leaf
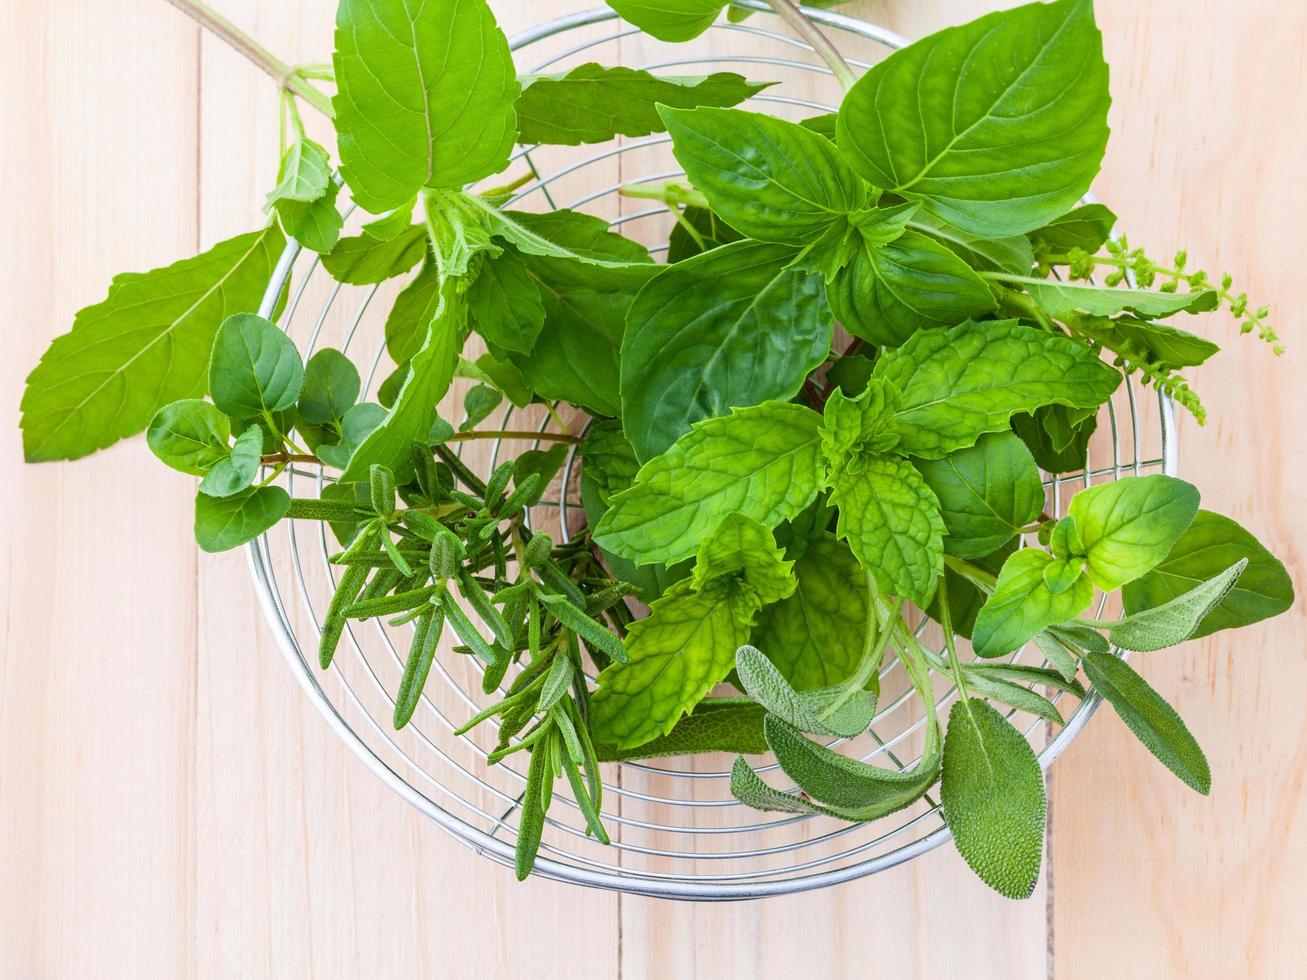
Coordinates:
[741,558]
[1128,526]
[853,427]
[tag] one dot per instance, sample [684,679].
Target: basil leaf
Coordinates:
[1210,543]
[190,435]
[425,93]
[1128,526]
[1012,254]
[236,471]
[1175,621]
[223,523]
[888,292]
[575,357]
[505,304]
[772,180]
[832,711]
[1153,721]
[593,104]
[677,654]
[1086,227]
[763,461]
[957,384]
[316,224]
[998,126]
[710,727]
[814,637]
[1062,299]
[1163,344]
[669,20]
[331,387]
[713,233]
[734,326]
[304,175]
[410,316]
[255,369]
[363,259]
[145,346]
[993,797]
[1023,605]
[890,518]
[987,493]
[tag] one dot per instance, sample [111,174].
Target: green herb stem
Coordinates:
[977,576]
[682,195]
[514,434]
[820,43]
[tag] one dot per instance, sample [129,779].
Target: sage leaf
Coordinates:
[1213,542]
[1174,621]
[993,797]
[710,727]
[1129,525]
[223,523]
[1015,696]
[255,369]
[1023,605]
[425,93]
[145,346]
[363,260]
[998,125]
[1154,722]
[235,471]
[190,435]
[669,20]
[834,711]
[331,387]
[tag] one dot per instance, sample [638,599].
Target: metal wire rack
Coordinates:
[677,831]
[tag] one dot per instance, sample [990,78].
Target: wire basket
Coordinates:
[676,830]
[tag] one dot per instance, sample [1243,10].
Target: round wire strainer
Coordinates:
[677,831]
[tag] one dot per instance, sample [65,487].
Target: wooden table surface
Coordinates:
[171,806]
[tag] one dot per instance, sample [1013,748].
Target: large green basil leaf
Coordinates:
[993,797]
[670,20]
[713,726]
[1023,604]
[255,369]
[763,461]
[1213,542]
[505,303]
[957,384]
[998,125]
[593,104]
[145,346]
[771,180]
[987,493]
[1128,526]
[425,93]
[732,327]
[1062,299]
[889,292]
[223,523]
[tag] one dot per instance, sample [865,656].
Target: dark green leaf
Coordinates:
[710,727]
[1085,227]
[223,523]
[255,369]
[505,304]
[189,435]
[363,260]
[331,387]
[235,471]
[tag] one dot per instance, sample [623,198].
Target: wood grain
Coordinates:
[170,804]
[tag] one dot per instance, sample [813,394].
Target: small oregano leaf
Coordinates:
[223,523]
[235,471]
[190,435]
[255,369]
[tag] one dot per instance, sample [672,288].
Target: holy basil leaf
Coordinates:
[316,224]
[677,654]
[1023,605]
[390,225]
[223,523]
[1161,343]
[998,125]
[425,94]
[190,435]
[815,636]
[304,176]
[1062,299]
[987,493]
[888,292]
[1153,721]
[670,20]
[772,180]
[146,345]
[763,461]
[834,711]
[255,369]
[363,260]
[578,239]
[1175,621]
[593,104]
[993,797]
[331,387]
[890,518]
[957,384]
[235,471]
[734,326]
[1128,526]
[409,318]
[710,727]
[1210,543]
[505,303]
[1085,227]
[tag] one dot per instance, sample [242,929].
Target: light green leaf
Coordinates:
[363,260]
[1154,722]
[888,292]
[581,240]
[1085,227]
[713,726]
[593,104]
[1023,605]
[1175,621]
[741,560]
[1062,299]
[235,471]
[856,427]
[255,369]
[304,175]
[331,387]
[957,384]
[1012,254]
[190,435]
[815,636]
[763,461]
[998,125]
[987,493]
[731,327]
[425,93]
[832,711]
[409,318]
[1164,344]
[890,518]
[670,20]
[677,654]
[146,345]
[1128,526]
[993,798]
[316,224]
[396,223]
[505,303]
[770,179]
[1213,542]
[223,523]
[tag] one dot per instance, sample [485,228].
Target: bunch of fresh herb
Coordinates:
[778,497]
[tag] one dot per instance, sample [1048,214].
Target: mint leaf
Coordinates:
[710,727]
[741,558]
[1023,604]
[832,711]
[1128,526]
[998,126]
[987,493]
[855,427]
[505,303]
[1085,227]
[1154,722]
[190,435]
[993,798]
[223,523]
[363,260]
[146,345]
[1213,542]
[771,180]
[670,20]
[763,462]
[331,387]
[1063,299]
[235,471]
[255,369]
[1175,621]
[425,94]
[957,384]
[593,104]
